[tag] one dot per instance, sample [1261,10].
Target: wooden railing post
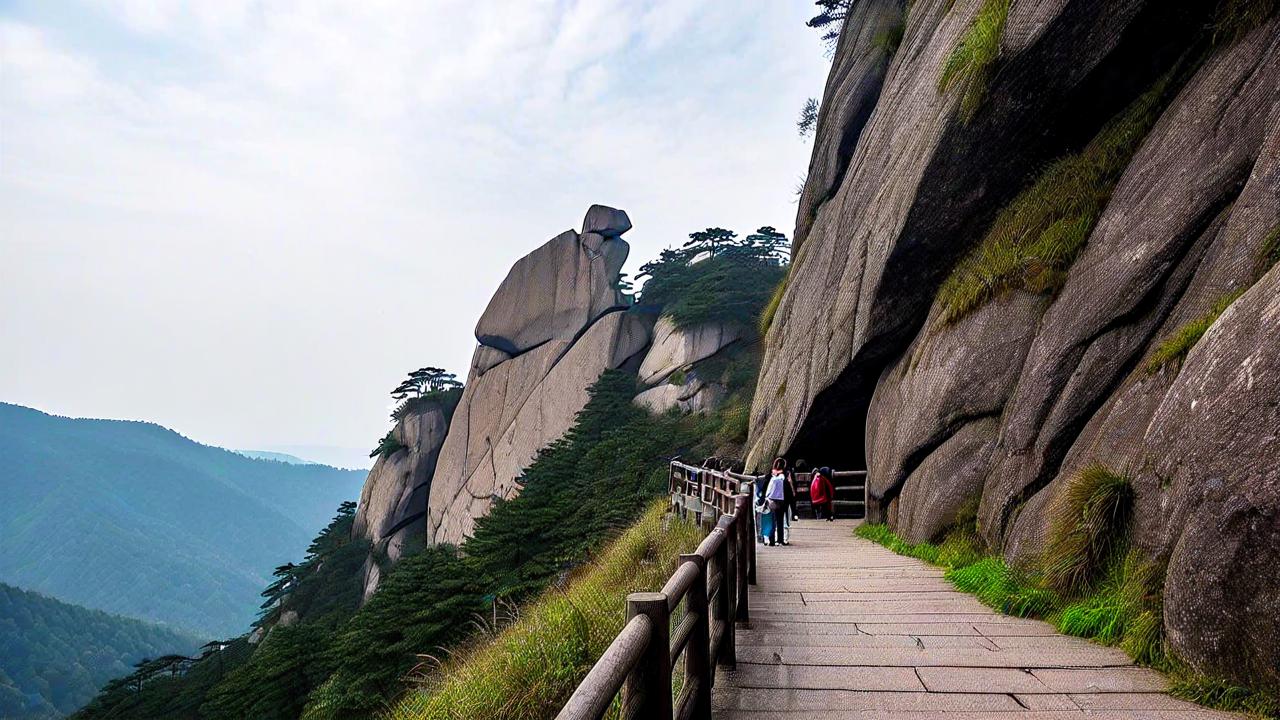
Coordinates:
[745,544]
[727,559]
[647,691]
[697,654]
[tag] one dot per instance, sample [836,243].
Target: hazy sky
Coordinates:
[246,219]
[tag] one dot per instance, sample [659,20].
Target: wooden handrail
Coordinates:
[711,582]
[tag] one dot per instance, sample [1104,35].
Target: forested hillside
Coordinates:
[54,656]
[135,519]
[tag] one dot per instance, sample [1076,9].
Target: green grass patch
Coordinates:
[528,670]
[1179,343]
[1038,235]
[1003,588]
[1224,695]
[971,63]
[1270,252]
[771,307]
[1088,525]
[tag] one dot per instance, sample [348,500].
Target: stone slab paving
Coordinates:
[843,629]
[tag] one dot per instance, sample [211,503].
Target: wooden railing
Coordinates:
[850,488]
[694,616]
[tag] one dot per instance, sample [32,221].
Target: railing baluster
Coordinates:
[726,559]
[647,692]
[697,654]
[744,545]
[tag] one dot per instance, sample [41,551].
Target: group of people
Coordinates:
[776,501]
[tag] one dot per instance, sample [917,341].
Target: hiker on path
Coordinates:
[776,495]
[823,495]
[764,518]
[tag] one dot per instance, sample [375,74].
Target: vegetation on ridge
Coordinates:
[716,277]
[970,64]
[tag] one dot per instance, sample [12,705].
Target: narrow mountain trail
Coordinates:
[844,628]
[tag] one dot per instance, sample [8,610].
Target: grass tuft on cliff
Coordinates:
[1175,347]
[1270,252]
[771,308]
[1089,523]
[1037,236]
[527,670]
[970,64]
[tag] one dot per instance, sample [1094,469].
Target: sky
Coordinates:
[247,219]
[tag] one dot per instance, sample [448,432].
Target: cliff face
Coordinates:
[392,513]
[1128,161]
[555,324]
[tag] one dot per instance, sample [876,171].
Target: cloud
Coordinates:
[246,218]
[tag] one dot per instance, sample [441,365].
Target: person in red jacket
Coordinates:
[822,495]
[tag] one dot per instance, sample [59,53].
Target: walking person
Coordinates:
[789,512]
[764,518]
[822,495]
[776,494]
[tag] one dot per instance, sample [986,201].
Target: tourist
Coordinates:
[776,494]
[764,518]
[823,495]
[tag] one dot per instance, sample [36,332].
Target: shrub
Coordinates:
[1037,236]
[1089,523]
[970,64]
[1179,343]
[529,669]
[388,445]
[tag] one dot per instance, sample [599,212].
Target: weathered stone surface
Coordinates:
[392,512]
[1215,440]
[486,357]
[514,409]
[951,378]
[674,348]
[557,290]
[694,396]
[853,86]
[1167,209]
[920,187]
[606,221]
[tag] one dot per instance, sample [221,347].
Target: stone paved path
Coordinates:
[843,628]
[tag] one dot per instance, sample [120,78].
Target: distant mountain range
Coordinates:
[277,456]
[133,518]
[55,656]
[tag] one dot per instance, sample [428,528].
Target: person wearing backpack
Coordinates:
[823,495]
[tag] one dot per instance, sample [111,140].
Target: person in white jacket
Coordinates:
[776,495]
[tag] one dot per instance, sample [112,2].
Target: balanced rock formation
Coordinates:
[560,288]
[392,513]
[552,328]
[1000,406]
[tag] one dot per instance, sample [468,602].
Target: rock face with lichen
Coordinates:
[1165,141]
[552,328]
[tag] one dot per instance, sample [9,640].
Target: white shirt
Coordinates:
[777,488]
